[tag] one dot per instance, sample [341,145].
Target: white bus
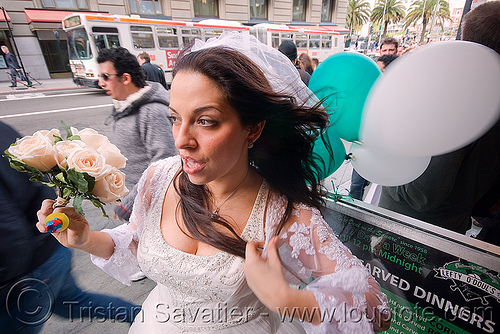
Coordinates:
[164,39]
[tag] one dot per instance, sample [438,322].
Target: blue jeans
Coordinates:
[358,184]
[51,288]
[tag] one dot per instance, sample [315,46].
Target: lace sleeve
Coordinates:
[313,259]
[123,263]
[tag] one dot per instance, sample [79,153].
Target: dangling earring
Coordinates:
[250,144]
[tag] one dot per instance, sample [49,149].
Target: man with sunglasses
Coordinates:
[141,129]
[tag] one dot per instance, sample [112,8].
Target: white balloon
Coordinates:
[433,101]
[384,168]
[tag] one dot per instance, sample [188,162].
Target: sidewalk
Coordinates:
[46,84]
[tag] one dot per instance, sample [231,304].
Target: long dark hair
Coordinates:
[282,155]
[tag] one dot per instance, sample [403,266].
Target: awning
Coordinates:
[41,19]
[340,30]
[3,23]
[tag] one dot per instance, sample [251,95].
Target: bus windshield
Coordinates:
[78,44]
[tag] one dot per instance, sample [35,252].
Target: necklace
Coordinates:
[217,207]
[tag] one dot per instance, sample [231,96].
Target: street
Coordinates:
[28,112]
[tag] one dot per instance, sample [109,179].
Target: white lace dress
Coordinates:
[209,294]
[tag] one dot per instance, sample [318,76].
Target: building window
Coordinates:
[258,9]
[326,10]
[206,8]
[148,7]
[299,10]
[66,4]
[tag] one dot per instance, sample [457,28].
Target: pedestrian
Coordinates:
[14,68]
[289,49]
[208,224]
[35,270]
[389,46]
[306,63]
[140,125]
[153,72]
[454,183]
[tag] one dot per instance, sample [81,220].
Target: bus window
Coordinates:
[314,41]
[78,44]
[188,35]
[275,40]
[113,41]
[142,37]
[105,37]
[167,38]
[301,40]
[286,35]
[326,42]
[335,43]
[209,33]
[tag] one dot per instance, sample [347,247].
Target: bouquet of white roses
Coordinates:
[85,165]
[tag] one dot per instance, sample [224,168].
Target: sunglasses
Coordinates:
[106,76]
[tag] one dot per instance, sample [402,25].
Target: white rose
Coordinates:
[90,137]
[87,160]
[111,187]
[64,148]
[101,143]
[112,154]
[50,134]
[35,151]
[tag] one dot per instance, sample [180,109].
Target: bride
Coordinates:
[231,229]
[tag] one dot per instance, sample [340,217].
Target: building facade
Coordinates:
[32,28]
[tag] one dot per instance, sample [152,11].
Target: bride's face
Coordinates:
[212,141]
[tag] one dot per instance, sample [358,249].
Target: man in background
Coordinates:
[13,65]
[289,49]
[141,128]
[153,72]
[389,46]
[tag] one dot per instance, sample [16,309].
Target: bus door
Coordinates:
[105,37]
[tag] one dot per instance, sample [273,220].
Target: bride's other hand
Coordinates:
[265,276]
[77,233]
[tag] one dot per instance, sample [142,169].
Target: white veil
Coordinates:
[278,69]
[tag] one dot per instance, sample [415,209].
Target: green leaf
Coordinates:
[34,178]
[67,192]
[98,204]
[76,137]
[77,204]
[83,182]
[57,139]
[68,129]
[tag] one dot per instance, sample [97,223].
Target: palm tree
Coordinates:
[358,12]
[388,11]
[439,8]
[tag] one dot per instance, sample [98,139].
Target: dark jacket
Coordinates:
[154,73]
[11,60]
[445,194]
[22,246]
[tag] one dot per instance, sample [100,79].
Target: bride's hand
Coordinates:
[77,233]
[265,276]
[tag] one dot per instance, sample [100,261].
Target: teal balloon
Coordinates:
[344,81]
[329,157]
